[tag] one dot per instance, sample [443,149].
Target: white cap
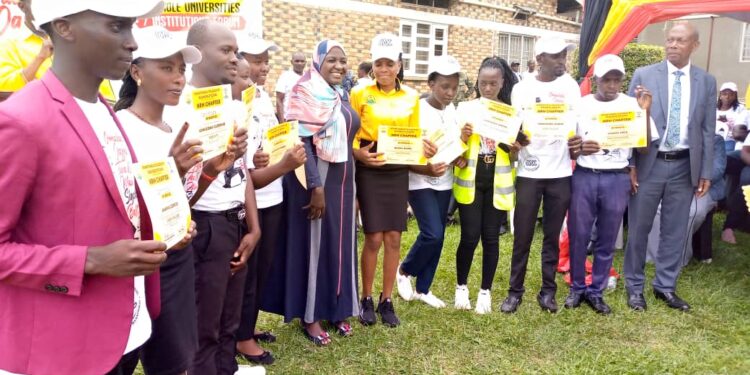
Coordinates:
[255,46]
[385,46]
[156,42]
[552,45]
[728,86]
[607,63]
[47,10]
[444,65]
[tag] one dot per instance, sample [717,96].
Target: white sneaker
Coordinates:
[404,286]
[250,370]
[429,299]
[462,298]
[484,302]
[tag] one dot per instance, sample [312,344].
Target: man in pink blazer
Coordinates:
[68,253]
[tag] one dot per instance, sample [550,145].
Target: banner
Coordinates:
[11,19]
[241,16]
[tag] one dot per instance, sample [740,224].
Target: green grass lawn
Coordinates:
[713,338]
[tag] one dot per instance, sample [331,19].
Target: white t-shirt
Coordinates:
[734,117]
[228,190]
[528,75]
[605,159]
[120,161]
[286,81]
[544,159]
[263,118]
[430,120]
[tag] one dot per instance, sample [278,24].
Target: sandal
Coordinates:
[265,337]
[322,340]
[344,328]
[266,358]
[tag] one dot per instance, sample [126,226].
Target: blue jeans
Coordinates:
[430,207]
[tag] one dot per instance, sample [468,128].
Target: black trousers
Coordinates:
[127,364]
[530,193]
[258,267]
[218,293]
[479,219]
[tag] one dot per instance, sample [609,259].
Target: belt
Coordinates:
[487,158]
[673,155]
[593,170]
[237,213]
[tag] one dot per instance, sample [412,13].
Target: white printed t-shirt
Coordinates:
[263,119]
[430,120]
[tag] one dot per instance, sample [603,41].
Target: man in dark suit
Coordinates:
[678,165]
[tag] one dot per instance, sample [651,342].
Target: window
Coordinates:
[516,48]
[429,3]
[420,41]
[745,45]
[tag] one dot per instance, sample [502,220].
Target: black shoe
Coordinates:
[636,302]
[265,337]
[547,302]
[503,229]
[367,312]
[598,304]
[573,300]
[387,314]
[266,358]
[672,300]
[510,305]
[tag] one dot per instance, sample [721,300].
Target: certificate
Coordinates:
[448,147]
[498,122]
[165,199]
[401,145]
[211,121]
[549,122]
[278,139]
[746,191]
[246,117]
[625,129]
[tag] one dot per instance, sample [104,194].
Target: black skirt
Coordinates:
[382,193]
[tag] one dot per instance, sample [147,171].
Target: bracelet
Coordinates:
[207,177]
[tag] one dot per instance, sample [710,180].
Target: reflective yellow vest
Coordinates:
[464,179]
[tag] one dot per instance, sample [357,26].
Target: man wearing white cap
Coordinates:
[74,234]
[600,184]
[544,171]
[227,219]
[676,168]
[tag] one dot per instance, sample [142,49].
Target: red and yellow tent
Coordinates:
[608,25]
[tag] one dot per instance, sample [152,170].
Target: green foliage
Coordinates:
[634,56]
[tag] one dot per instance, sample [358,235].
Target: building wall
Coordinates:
[723,61]
[473,27]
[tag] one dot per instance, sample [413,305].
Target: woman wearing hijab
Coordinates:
[314,274]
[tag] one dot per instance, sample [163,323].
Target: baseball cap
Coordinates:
[728,86]
[255,46]
[444,65]
[156,42]
[48,10]
[608,63]
[552,45]
[385,46]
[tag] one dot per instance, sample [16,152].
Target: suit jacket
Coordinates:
[701,118]
[59,197]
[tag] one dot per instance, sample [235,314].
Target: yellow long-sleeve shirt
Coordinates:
[18,53]
[375,108]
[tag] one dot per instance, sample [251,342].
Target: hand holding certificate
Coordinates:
[549,122]
[448,147]
[210,121]
[165,200]
[401,145]
[247,107]
[626,129]
[280,138]
[499,122]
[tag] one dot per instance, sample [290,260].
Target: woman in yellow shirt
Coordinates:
[382,189]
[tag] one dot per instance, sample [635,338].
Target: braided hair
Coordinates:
[128,91]
[509,79]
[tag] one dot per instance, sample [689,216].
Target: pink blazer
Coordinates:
[58,197]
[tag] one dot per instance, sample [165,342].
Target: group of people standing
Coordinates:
[87,290]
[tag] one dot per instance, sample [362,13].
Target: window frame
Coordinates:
[412,40]
[745,43]
[526,54]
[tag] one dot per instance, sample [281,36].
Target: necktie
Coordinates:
[673,124]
